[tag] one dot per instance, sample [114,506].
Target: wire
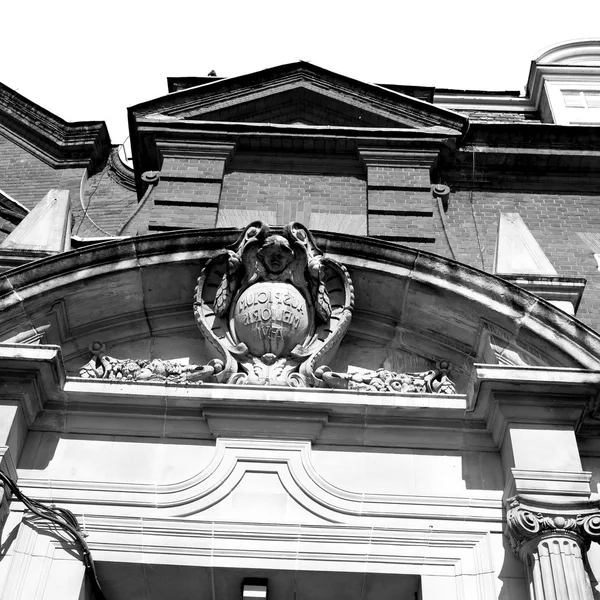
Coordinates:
[84,180]
[473,209]
[445,229]
[67,521]
[153,181]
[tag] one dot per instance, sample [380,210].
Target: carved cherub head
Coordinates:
[275,254]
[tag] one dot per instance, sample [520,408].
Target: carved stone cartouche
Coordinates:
[280,307]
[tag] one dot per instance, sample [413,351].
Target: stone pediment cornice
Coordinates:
[243,98]
[50,138]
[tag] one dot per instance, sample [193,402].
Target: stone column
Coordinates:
[551,539]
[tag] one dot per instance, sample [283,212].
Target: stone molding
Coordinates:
[119,172]
[330,416]
[288,460]
[190,148]
[31,375]
[519,394]
[552,289]
[553,332]
[548,482]
[7,466]
[332,88]
[49,138]
[461,556]
[400,157]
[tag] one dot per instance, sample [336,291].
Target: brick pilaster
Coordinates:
[399,201]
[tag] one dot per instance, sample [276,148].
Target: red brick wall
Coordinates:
[553,219]
[27,178]
[291,196]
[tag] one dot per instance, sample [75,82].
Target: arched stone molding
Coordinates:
[574,52]
[122,291]
[288,463]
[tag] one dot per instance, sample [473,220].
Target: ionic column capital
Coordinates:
[530,521]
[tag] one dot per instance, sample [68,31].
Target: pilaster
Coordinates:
[30,375]
[399,200]
[533,414]
[191,178]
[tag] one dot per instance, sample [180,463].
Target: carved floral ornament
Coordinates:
[275,310]
[529,522]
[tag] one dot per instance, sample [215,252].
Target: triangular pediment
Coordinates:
[300,94]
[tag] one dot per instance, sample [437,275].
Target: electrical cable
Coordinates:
[444,227]
[84,180]
[473,209]
[152,178]
[67,521]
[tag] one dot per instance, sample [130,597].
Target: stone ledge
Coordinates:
[211,411]
[31,375]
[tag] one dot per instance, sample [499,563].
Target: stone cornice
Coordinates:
[530,521]
[31,375]
[50,138]
[552,289]
[262,84]
[150,136]
[398,157]
[212,411]
[508,395]
[533,156]
[194,148]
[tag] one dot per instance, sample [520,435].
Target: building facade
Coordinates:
[320,339]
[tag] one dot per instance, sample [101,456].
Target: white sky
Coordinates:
[91,63]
